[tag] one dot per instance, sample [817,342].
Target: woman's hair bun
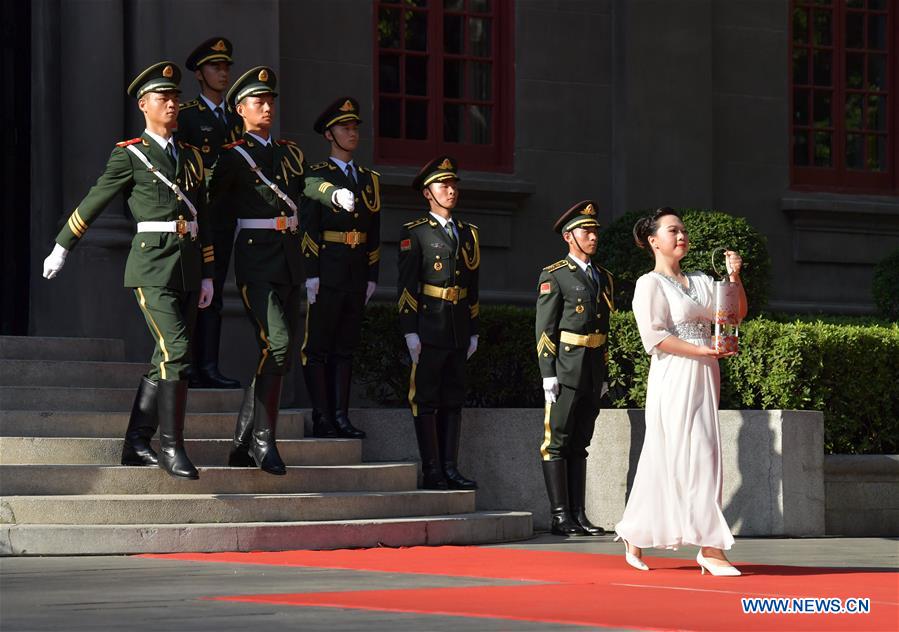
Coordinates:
[648,225]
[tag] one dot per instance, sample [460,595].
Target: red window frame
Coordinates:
[838,176]
[493,156]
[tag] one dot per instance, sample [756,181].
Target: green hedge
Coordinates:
[885,286]
[848,371]
[708,230]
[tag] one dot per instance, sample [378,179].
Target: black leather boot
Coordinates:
[577,493]
[265,424]
[142,426]
[556,477]
[205,372]
[172,402]
[449,432]
[343,379]
[426,433]
[316,375]
[243,431]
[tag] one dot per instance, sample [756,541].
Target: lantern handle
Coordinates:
[714,267]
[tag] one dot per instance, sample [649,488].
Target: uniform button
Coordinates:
[307,255]
[249,241]
[405,311]
[579,300]
[181,217]
[458,272]
[356,214]
[283,213]
[597,331]
[567,348]
[545,355]
[436,256]
[143,244]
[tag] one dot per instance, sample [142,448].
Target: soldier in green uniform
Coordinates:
[439,261]
[341,252]
[573,306]
[170,264]
[208,122]
[262,180]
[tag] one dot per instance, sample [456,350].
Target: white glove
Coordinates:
[311,289]
[369,290]
[55,261]
[472,346]
[414,344]
[345,199]
[550,389]
[206,293]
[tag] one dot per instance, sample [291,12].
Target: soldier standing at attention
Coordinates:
[169,268]
[439,260]
[341,252]
[573,306]
[208,122]
[262,181]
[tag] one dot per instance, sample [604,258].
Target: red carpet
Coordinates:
[585,589]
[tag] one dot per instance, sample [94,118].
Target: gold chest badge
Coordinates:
[438,265]
[579,309]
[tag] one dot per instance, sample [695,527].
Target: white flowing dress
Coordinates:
[676,496]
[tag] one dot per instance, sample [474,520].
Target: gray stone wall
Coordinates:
[862,494]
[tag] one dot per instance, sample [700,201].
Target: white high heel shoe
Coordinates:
[715,569]
[630,558]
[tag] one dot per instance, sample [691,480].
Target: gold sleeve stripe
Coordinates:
[79,220]
[309,245]
[324,186]
[208,249]
[475,310]
[545,344]
[74,227]
[407,299]
[374,256]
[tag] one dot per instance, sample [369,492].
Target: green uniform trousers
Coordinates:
[437,381]
[170,315]
[274,312]
[223,241]
[333,324]
[568,424]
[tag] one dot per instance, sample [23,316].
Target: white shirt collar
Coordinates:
[443,221]
[262,141]
[581,264]
[163,143]
[212,105]
[342,164]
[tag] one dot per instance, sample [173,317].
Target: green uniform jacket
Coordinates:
[264,254]
[156,259]
[199,126]
[426,257]
[341,266]
[565,303]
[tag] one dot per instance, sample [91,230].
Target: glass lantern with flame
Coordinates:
[727,304]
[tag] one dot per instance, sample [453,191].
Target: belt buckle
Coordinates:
[281,223]
[452,294]
[351,238]
[181,227]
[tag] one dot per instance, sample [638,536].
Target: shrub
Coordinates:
[708,230]
[885,286]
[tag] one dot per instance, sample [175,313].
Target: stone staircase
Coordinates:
[64,406]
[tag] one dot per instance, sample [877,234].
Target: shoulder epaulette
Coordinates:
[417,222]
[125,143]
[181,143]
[606,270]
[284,141]
[234,144]
[189,104]
[555,266]
[319,165]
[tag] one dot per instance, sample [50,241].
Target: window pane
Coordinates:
[800,149]
[453,34]
[480,75]
[877,32]
[855,30]
[389,73]
[800,67]
[876,153]
[800,107]
[389,28]
[822,67]
[480,124]
[417,120]
[389,118]
[876,113]
[855,150]
[479,6]
[452,122]
[416,75]
[454,5]
[822,33]
[877,72]
[479,37]
[453,73]
[855,70]
[853,111]
[822,149]
[822,109]
[416,30]
[856,4]
[877,5]
[800,25]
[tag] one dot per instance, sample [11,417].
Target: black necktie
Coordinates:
[170,152]
[220,115]
[450,230]
[591,274]
[350,172]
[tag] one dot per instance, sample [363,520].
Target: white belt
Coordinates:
[275,223]
[178,226]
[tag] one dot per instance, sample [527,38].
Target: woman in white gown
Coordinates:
[676,496]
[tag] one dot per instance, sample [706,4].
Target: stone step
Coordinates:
[31,423]
[211,452]
[133,509]
[71,373]
[47,348]
[483,527]
[108,399]
[47,480]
